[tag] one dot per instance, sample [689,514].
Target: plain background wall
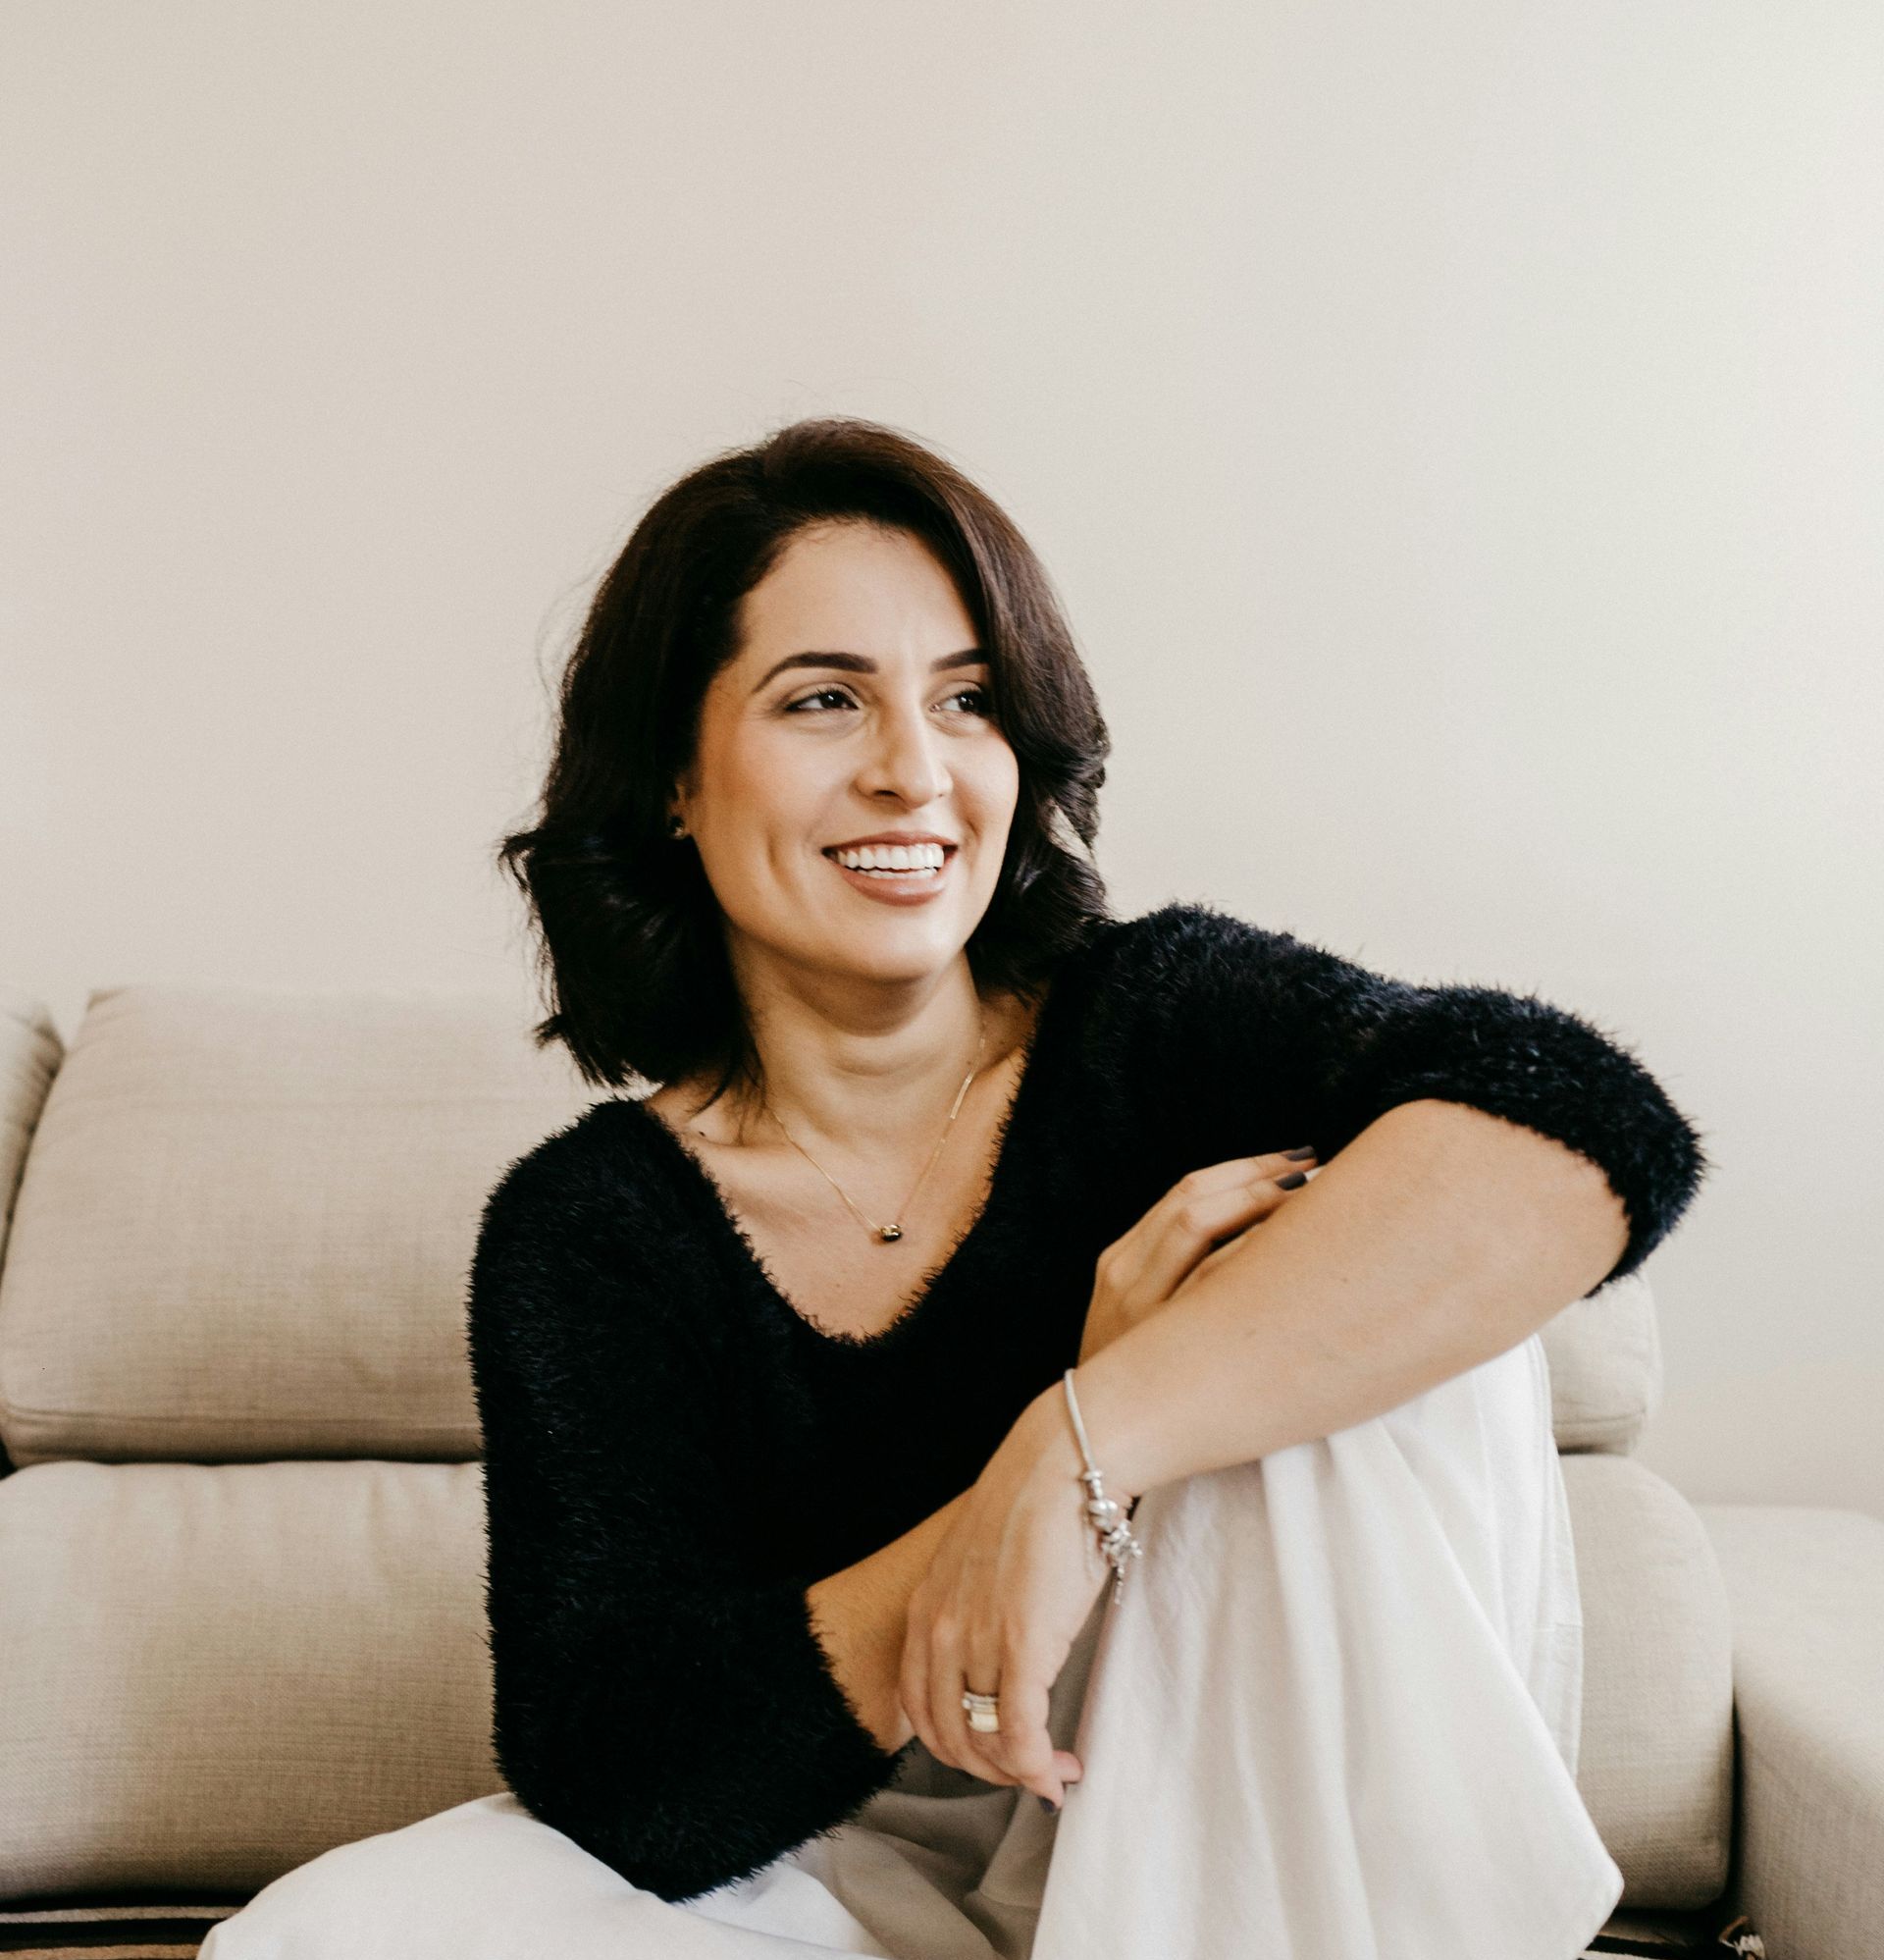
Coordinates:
[1455,431]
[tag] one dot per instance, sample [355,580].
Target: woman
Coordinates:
[798,1373]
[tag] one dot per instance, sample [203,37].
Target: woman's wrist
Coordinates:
[1058,1465]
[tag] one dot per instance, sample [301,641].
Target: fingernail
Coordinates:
[1296,1156]
[1293,1181]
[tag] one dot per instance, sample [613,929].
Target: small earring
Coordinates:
[677,826]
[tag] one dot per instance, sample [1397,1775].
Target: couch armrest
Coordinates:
[1805,1588]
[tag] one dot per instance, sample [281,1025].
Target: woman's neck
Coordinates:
[860,1091]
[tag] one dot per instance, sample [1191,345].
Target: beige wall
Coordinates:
[1455,430]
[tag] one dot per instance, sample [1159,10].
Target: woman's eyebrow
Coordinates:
[862,663]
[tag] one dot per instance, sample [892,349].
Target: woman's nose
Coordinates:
[908,758]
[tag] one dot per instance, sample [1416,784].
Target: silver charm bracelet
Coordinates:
[1116,1538]
[1116,1541]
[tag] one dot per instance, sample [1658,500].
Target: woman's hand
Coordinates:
[1014,1579]
[1183,1235]
[1004,1597]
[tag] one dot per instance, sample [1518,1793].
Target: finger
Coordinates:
[912,1688]
[985,1668]
[1233,1174]
[1211,1260]
[1021,1750]
[1238,1170]
[1259,1202]
[985,1753]
[1188,1230]
[946,1671]
[1228,1248]
[1028,1755]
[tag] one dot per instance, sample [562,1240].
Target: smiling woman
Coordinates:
[800,1546]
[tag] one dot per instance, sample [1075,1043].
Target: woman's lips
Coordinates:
[900,887]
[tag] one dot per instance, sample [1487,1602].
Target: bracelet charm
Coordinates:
[1115,1540]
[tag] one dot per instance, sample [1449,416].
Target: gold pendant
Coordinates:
[888,1231]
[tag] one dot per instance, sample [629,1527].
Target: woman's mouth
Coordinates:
[892,883]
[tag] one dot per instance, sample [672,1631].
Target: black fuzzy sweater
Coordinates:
[672,1455]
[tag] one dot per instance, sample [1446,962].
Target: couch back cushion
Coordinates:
[247,1221]
[1605,1367]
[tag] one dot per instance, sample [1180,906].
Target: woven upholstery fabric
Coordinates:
[1605,1367]
[215,1672]
[246,1218]
[1657,1763]
[30,1054]
[1806,1587]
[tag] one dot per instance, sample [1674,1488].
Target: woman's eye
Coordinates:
[980,700]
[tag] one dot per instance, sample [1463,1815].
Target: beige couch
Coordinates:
[241,1551]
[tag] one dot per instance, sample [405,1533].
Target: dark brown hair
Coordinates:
[632,948]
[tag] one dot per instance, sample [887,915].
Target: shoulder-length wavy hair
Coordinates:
[632,949]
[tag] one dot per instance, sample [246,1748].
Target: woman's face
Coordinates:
[858,705]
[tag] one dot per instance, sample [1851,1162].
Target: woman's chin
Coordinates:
[904,946]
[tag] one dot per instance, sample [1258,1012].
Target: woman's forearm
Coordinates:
[1439,1238]
[860,1617]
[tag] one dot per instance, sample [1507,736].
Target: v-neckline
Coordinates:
[913,1306]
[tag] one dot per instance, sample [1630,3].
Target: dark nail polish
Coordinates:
[1296,1156]
[1292,1182]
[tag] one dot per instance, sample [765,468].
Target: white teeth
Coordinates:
[908,859]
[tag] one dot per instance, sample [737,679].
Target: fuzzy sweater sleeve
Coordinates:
[1253,1039]
[656,1698]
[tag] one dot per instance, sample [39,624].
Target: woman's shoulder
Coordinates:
[1180,929]
[587,1200]
[1139,966]
[1190,927]
[583,1160]
[1134,1003]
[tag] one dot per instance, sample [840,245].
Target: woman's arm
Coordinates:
[1441,1236]
[860,1617]
[1214,1038]
[659,1693]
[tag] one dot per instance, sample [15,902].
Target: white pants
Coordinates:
[1332,1717]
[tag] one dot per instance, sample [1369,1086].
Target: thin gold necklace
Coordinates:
[889,1234]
